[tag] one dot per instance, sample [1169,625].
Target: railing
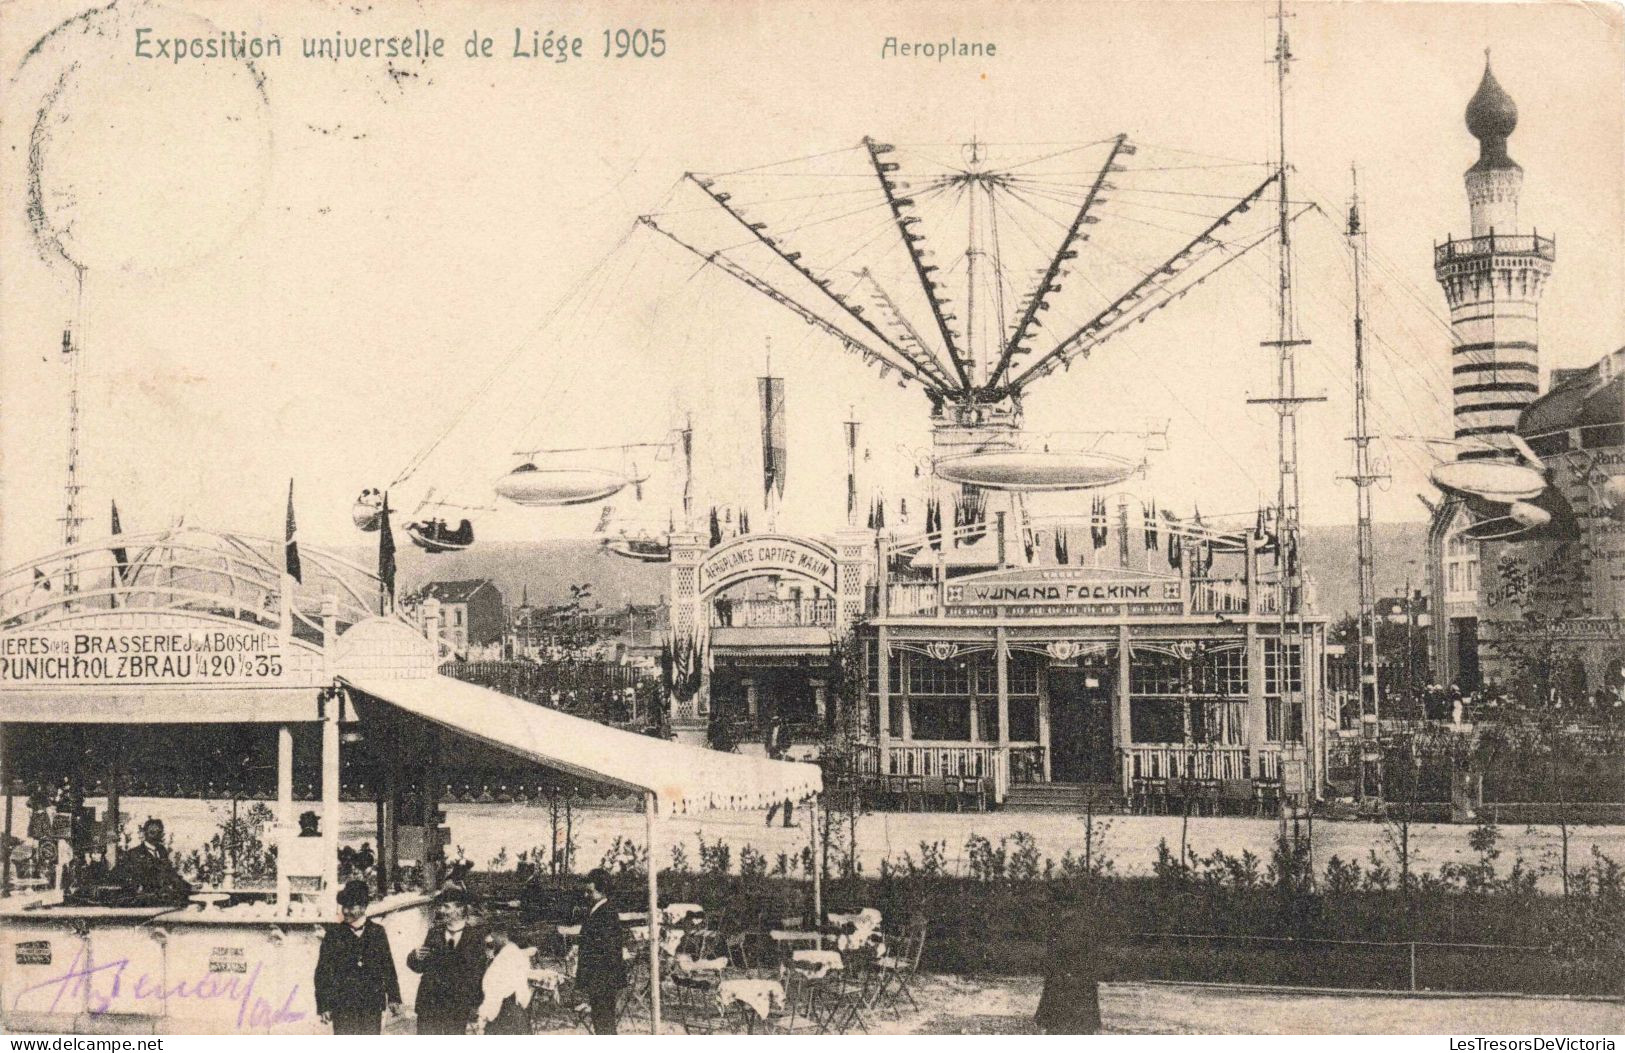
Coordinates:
[967,761]
[1196,762]
[912,599]
[1512,244]
[766,613]
[1218,596]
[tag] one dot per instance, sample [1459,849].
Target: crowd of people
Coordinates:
[474,978]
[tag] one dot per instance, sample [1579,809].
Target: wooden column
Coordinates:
[1001,665]
[389,850]
[330,797]
[1043,720]
[654,913]
[817,869]
[284,811]
[5,834]
[1122,706]
[908,708]
[883,732]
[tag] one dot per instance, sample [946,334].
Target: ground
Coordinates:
[482,831]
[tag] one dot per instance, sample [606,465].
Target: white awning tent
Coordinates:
[682,778]
[673,778]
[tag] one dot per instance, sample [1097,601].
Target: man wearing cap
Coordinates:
[355,972]
[452,961]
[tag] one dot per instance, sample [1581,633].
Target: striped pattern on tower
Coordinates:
[1492,281]
[1493,285]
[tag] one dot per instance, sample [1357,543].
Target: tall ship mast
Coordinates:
[1370,784]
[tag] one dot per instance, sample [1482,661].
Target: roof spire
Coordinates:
[1491,118]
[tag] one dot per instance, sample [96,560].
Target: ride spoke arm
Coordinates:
[1078,340]
[806,314]
[1065,252]
[758,230]
[884,169]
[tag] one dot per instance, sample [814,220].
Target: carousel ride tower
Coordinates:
[1493,281]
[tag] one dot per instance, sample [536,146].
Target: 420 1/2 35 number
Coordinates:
[634,43]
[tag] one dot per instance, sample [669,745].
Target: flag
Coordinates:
[386,557]
[41,581]
[851,469]
[1097,522]
[1173,539]
[716,528]
[1202,558]
[774,442]
[290,543]
[121,555]
[1151,527]
[744,521]
[1061,546]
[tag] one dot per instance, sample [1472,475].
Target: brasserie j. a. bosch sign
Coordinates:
[169,655]
[751,556]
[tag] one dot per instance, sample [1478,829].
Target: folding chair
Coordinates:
[903,967]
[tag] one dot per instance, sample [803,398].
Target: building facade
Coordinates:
[1145,654]
[472,615]
[1552,607]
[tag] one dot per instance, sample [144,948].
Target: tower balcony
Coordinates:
[1464,250]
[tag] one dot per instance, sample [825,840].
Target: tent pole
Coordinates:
[654,914]
[817,873]
[284,814]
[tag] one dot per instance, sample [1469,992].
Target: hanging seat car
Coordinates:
[434,536]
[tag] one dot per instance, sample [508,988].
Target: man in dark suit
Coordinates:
[600,965]
[452,961]
[146,872]
[355,972]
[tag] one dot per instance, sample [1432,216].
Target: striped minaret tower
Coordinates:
[1493,281]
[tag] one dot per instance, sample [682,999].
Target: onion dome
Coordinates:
[1491,117]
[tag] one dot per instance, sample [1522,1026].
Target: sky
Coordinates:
[312,270]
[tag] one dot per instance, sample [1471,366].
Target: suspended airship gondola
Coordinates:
[1035,471]
[368,513]
[1491,480]
[642,549]
[554,487]
[434,536]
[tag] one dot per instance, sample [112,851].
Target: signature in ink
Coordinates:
[101,986]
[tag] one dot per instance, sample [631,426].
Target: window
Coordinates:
[987,675]
[1156,720]
[939,718]
[987,718]
[1222,672]
[927,676]
[1154,673]
[1023,720]
[1021,673]
[1272,663]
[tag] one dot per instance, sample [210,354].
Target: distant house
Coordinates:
[472,614]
